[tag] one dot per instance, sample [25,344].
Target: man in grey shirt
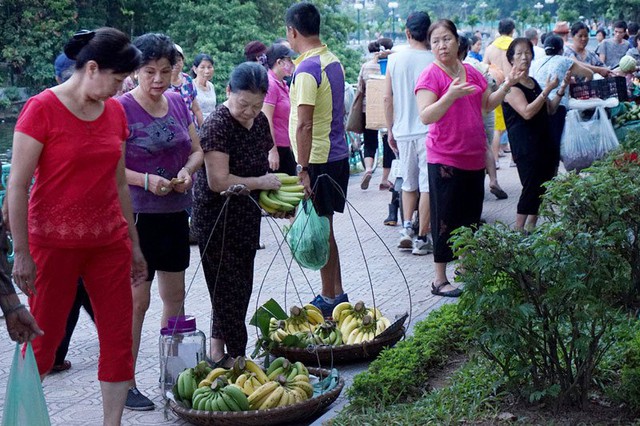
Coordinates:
[612,50]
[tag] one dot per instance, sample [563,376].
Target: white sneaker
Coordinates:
[406,239]
[422,247]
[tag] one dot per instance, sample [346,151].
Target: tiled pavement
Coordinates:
[73,397]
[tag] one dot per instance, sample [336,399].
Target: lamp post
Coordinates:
[358,6]
[538,6]
[464,8]
[483,6]
[393,5]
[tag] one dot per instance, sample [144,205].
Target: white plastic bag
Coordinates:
[585,141]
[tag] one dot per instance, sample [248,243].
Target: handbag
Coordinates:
[24,402]
[355,120]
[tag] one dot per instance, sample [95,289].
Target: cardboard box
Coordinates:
[375,103]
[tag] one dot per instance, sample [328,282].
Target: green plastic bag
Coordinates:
[24,402]
[308,237]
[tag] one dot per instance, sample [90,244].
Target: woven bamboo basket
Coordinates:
[274,416]
[328,356]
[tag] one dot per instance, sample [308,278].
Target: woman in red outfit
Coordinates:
[70,138]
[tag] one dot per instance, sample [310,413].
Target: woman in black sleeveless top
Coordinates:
[526,112]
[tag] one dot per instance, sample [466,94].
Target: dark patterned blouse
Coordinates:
[248,157]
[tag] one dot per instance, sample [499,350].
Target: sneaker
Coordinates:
[326,308]
[137,401]
[422,247]
[341,298]
[406,239]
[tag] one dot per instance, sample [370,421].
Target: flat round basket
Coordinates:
[328,356]
[273,416]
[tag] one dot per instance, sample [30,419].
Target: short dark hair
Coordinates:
[506,26]
[473,40]
[275,52]
[111,49]
[418,24]
[464,44]
[202,57]
[602,31]
[155,46]
[512,47]
[249,76]
[633,28]
[380,44]
[620,24]
[443,23]
[305,18]
[544,36]
[577,27]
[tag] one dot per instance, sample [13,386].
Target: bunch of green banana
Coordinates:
[282,366]
[305,319]
[220,396]
[329,333]
[284,199]
[241,366]
[362,332]
[277,331]
[308,338]
[187,384]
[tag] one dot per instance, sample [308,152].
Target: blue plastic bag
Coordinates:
[24,402]
[308,237]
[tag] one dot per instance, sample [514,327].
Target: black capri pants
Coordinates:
[533,174]
[455,199]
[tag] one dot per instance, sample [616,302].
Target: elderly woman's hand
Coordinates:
[458,90]
[552,83]
[270,181]
[183,182]
[159,185]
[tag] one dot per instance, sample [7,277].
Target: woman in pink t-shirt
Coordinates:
[277,106]
[451,98]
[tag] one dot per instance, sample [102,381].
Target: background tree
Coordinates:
[472,21]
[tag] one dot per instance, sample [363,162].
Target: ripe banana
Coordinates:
[256,398]
[255,369]
[341,311]
[273,399]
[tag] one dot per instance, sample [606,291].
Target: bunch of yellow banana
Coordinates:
[304,319]
[329,333]
[220,396]
[248,382]
[241,366]
[282,366]
[351,317]
[281,392]
[362,332]
[277,331]
[286,198]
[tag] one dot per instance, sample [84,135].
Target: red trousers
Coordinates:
[106,272]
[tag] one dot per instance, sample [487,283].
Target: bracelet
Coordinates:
[146,181]
[13,309]
[187,169]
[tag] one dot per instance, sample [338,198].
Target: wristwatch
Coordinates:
[300,168]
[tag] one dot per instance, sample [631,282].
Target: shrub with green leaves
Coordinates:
[401,372]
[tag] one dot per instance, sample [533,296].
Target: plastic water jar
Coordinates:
[182,346]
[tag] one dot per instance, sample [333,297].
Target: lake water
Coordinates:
[6,138]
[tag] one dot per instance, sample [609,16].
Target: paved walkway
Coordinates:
[73,397]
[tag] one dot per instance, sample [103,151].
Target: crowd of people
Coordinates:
[131,155]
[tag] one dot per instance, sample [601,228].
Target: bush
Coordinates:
[400,372]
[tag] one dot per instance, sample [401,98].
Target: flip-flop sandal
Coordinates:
[499,193]
[365,180]
[61,367]
[435,290]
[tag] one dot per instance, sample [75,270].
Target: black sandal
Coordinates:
[435,290]
[219,364]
